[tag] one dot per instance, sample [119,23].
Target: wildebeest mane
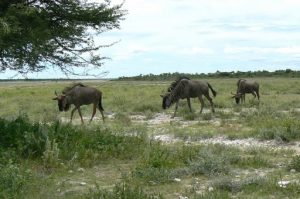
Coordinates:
[68,88]
[174,84]
[177,91]
[239,81]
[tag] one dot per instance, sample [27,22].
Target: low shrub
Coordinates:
[27,138]
[284,130]
[209,164]
[12,180]
[295,163]
[142,108]
[123,118]
[123,190]
[227,184]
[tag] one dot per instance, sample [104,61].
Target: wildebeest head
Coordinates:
[237,97]
[166,103]
[62,101]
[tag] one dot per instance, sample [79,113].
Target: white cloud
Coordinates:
[164,32]
[281,50]
[131,51]
[197,51]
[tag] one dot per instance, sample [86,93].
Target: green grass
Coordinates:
[122,191]
[44,156]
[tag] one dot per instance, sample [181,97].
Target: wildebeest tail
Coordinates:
[100,104]
[212,90]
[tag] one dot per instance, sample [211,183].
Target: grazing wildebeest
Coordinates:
[185,88]
[79,95]
[246,86]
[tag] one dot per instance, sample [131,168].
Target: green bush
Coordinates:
[12,180]
[27,138]
[209,164]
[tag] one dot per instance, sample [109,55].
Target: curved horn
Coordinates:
[162,93]
[234,95]
[55,93]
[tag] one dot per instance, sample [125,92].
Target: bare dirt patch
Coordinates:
[158,120]
[81,180]
[163,118]
[243,143]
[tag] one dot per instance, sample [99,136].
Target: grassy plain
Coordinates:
[243,151]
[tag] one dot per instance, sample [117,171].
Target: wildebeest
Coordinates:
[79,95]
[246,86]
[185,88]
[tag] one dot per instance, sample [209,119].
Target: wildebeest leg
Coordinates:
[189,103]
[176,107]
[211,103]
[101,108]
[101,111]
[253,93]
[201,102]
[79,111]
[257,93]
[243,98]
[94,111]
[72,112]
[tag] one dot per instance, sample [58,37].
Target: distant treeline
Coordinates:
[218,74]
[50,80]
[172,76]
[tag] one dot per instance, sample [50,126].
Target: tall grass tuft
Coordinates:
[50,155]
[208,163]
[213,195]
[227,184]
[281,129]
[295,163]
[12,180]
[123,190]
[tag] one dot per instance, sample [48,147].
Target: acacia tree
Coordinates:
[37,34]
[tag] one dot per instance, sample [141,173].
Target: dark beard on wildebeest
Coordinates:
[164,106]
[237,100]
[166,103]
[61,106]
[67,107]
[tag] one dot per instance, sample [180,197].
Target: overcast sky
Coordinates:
[201,36]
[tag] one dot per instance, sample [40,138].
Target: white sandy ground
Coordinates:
[162,118]
[243,143]
[157,121]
